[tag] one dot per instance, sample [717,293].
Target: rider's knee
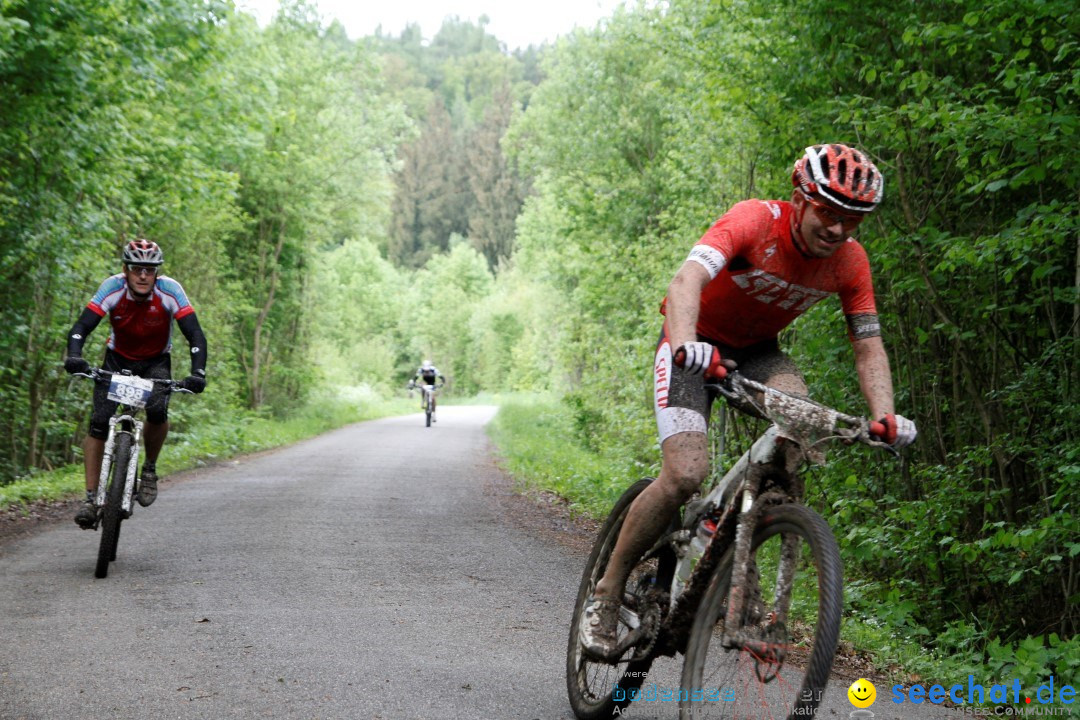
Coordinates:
[682,476]
[99,424]
[157,415]
[684,484]
[686,463]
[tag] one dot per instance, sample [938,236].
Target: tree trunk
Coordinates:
[260,353]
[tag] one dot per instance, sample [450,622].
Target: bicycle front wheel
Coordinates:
[112,517]
[782,672]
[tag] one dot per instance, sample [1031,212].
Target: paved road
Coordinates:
[367,573]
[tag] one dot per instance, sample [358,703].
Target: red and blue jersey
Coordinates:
[140,330]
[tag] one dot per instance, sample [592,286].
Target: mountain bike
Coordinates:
[117,483]
[746,583]
[428,394]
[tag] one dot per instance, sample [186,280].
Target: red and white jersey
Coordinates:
[761,282]
[140,330]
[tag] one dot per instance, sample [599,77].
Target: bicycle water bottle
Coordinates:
[705,530]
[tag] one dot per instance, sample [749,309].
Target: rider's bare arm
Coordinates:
[875,378]
[684,302]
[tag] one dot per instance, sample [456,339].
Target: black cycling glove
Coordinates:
[194,383]
[77,364]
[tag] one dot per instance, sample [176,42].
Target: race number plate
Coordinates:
[129,390]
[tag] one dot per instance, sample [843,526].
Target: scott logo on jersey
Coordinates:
[770,289]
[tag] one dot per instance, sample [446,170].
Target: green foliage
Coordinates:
[453,178]
[185,123]
[540,445]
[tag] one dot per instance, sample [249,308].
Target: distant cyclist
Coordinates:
[141,305]
[761,265]
[428,374]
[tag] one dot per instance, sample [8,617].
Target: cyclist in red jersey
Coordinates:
[754,271]
[141,305]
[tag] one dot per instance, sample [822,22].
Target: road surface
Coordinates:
[371,572]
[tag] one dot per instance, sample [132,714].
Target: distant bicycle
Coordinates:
[118,484]
[428,396]
[747,583]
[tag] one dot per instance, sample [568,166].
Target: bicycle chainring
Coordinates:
[650,620]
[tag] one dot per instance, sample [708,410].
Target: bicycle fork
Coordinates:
[746,607]
[107,462]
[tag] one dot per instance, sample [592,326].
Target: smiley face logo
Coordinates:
[861,693]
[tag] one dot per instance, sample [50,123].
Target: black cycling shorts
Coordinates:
[157,409]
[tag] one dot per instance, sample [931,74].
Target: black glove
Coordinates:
[194,383]
[75,364]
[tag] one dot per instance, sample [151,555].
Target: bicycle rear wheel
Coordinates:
[112,517]
[598,689]
[786,675]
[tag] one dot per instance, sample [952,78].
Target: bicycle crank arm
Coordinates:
[673,539]
[629,618]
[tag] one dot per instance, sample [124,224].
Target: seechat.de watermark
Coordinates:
[977,693]
[971,695]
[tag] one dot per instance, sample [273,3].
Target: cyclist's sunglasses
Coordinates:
[831,216]
[143,269]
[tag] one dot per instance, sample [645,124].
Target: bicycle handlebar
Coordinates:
[100,374]
[733,385]
[869,432]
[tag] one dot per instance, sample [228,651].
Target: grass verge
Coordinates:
[535,436]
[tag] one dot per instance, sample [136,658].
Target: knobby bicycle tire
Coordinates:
[591,685]
[119,524]
[738,676]
[112,517]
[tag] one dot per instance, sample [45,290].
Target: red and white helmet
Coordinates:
[839,176]
[143,252]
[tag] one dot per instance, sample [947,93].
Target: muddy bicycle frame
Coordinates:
[799,426]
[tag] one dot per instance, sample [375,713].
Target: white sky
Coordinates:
[517,23]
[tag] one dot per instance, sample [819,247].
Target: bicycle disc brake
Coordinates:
[770,654]
[768,645]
